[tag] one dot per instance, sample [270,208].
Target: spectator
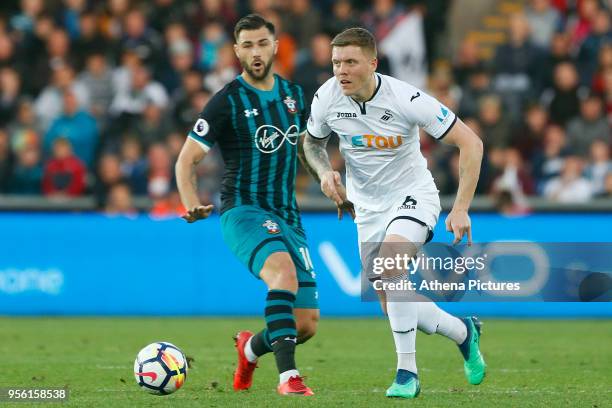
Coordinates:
[109,174]
[7,53]
[477,86]
[514,177]
[180,55]
[183,113]
[90,41]
[76,125]
[562,100]
[544,21]
[579,26]
[589,126]
[161,174]
[141,91]
[300,11]
[570,186]
[98,80]
[152,127]
[133,166]
[168,206]
[137,36]
[559,52]
[64,174]
[69,16]
[589,51]
[317,68]
[516,65]
[225,70]
[32,50]
[343,17]
[24,131]
[530,136]
[48,105]
[57,54]
[468,62]
[212,38]
[607,190]
[28,173]
[600,166]
[548,162]
[10,89]
[23,22]
[6,161]
[120,200]
[495,126]
[286,55]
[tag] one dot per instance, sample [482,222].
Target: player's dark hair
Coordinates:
[252,22]
[356,36]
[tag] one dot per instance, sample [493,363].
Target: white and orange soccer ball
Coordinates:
[160,368]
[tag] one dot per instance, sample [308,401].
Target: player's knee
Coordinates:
[307,328]
[279,272]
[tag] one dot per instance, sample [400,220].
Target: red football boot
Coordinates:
[295,386]
[243,376]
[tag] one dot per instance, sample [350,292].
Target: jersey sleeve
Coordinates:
[212,122]
[428,113]
[317,124]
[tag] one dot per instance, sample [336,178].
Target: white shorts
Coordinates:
[413,217]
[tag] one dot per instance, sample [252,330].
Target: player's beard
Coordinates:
[264,73]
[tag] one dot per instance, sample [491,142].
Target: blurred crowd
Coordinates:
[97,97]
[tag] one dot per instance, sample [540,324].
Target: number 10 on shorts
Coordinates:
[306,258]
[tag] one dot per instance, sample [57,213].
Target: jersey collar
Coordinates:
[362,105]
[271,94]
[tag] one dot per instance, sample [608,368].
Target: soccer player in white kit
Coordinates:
[377,119]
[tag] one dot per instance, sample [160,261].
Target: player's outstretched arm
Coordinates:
[191,154]
[315,153]
[470,157]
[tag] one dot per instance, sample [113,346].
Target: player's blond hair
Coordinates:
[359,37]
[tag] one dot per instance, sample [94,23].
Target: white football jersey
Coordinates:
[379,138]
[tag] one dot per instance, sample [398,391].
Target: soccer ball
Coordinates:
[160,368]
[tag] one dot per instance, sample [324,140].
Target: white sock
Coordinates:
[284,377]
[248,351]
[403,321]
[432,319]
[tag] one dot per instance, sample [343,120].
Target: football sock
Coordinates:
[432,319]
[403,320]
[280,323]
[257,346]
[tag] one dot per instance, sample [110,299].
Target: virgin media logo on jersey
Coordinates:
[376,142]
[269,138]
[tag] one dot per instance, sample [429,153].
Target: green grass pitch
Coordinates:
[532,363]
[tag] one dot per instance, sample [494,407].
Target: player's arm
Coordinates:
[191,154]
[470,158]
[318,164]
[303,160]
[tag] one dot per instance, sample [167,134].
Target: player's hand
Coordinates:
[331,186]
[198,213]
[346,204]
[458,222]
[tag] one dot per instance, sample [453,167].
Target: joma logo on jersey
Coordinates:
[346,115]
[377,142]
